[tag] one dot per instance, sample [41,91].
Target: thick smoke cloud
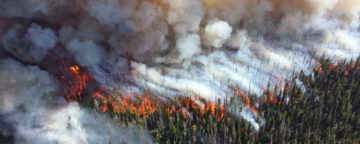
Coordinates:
[29,102]
[85,52]
[29,45]
[184,47]
[217,32]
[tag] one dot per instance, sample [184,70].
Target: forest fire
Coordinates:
[246,100]
[75,80]
[183,71]
[271,98]
[145,106]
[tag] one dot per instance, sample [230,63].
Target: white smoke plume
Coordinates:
[217,32]
[184,47]
[30,104]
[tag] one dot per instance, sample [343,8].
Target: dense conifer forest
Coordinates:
[320,107]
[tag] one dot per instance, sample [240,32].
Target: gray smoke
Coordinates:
[29,102]
[184,47]
[29,45]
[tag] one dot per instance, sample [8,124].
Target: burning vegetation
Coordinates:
[75,79]
[144,108]
[198,67]
[193,119]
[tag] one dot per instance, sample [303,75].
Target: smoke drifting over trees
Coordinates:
[30,103]
[172,47]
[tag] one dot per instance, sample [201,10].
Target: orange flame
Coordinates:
[271,98]
[247,100]
[212,108]
[105,108]
[254,109]
[279,102]
[183,112]
[319,69]
[77,80]
[172,110]
[307,81]
[147,106]
[74,69]
[220,113]
[143,107]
